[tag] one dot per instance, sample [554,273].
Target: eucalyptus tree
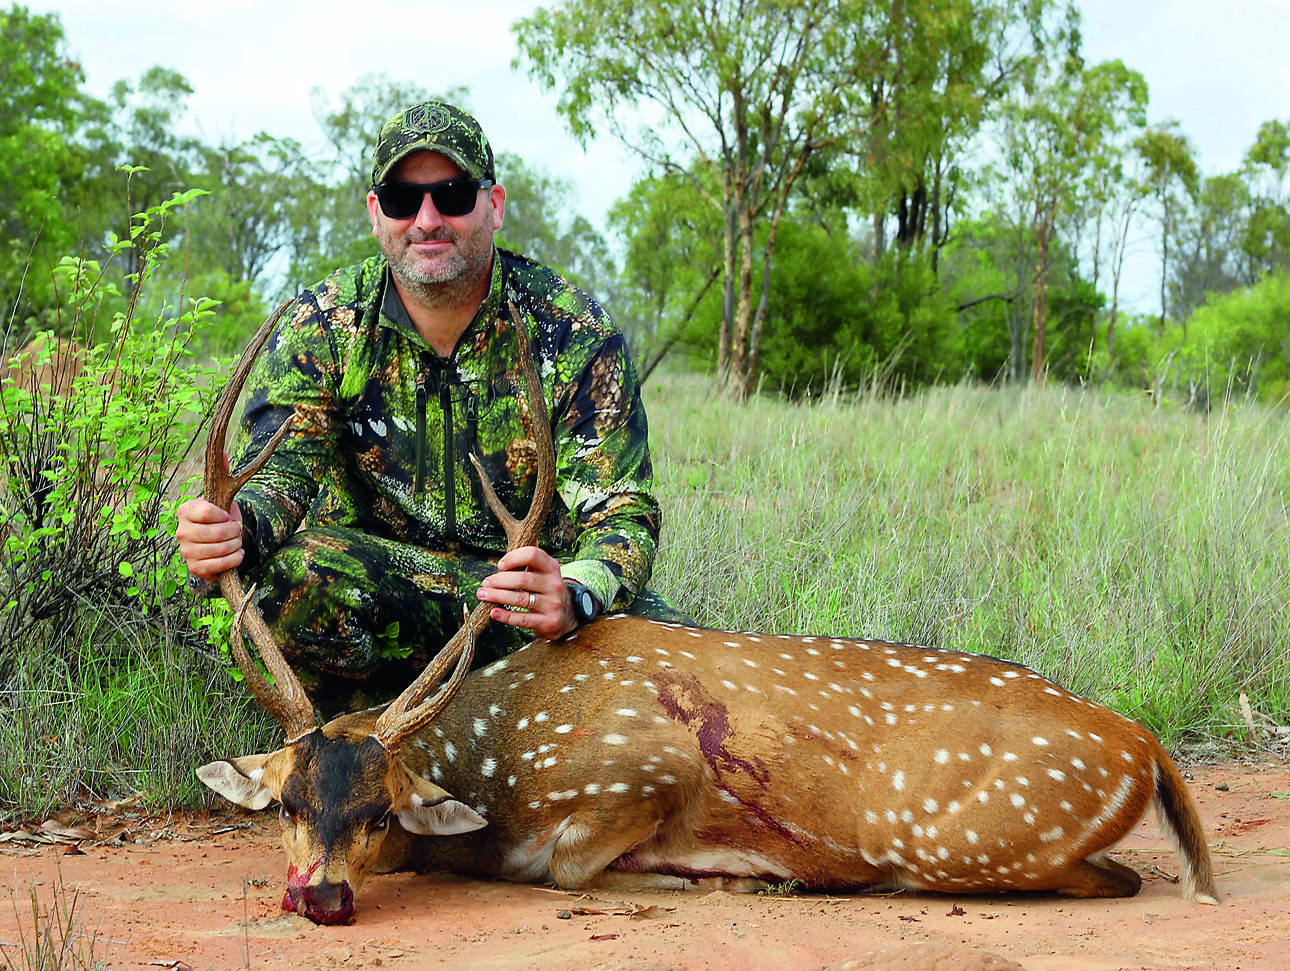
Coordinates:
[1052,131]
[671,261]
[1171,181]
[943,70]
[734,95]
[1211,256]
[1267,171]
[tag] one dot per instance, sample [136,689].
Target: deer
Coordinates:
[639,755]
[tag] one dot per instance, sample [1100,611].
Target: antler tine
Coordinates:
[284,698]
[408,712]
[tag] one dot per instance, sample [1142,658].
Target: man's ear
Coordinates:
[497,199]
[373,208]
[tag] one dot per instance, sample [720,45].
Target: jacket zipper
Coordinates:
[449,467]
[419,479]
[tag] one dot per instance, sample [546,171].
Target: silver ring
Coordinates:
[532,599]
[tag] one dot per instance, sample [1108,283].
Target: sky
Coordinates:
[1219,69]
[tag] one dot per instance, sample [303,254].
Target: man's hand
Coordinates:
[530,593]
[210,539]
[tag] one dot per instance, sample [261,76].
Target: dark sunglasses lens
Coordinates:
[400,201]
[455,198]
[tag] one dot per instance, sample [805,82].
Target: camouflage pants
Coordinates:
[358,617]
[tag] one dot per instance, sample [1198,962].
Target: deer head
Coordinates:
[341,784]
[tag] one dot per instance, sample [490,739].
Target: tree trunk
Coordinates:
[725,372]
[1039,313]
[741,361]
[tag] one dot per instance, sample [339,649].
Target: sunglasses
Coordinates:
[454,197]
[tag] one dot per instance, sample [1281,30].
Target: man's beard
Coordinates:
[445,280]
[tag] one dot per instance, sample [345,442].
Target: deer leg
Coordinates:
[1100,876]
[591,842]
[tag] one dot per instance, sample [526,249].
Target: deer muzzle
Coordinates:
[323,902]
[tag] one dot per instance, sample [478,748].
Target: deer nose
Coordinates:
[323,904]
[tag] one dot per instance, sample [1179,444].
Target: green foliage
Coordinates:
[542,222]
[38,108]
[837,321]
[83,490]
[105,685]
[673,247]
[1240,342]
[739,96]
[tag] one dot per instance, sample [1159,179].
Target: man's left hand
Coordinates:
[530,593]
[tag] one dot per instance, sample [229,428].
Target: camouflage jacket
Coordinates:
[384,425]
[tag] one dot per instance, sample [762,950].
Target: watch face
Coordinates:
[586,605]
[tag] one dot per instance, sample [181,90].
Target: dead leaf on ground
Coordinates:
[53,827]
[126,802]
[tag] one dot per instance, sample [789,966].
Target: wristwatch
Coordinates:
[585,604]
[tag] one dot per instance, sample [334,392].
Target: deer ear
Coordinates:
[239,780]
[432,812]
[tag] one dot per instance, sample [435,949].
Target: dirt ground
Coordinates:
[204,892]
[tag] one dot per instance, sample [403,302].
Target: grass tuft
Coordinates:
[57,941]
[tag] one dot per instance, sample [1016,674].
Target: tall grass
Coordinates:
[1139,557]
[130,706]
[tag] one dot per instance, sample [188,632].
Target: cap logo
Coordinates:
[430,119]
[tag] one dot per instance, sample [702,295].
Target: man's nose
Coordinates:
[428,217]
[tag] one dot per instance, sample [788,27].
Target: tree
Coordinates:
[255,187]
[1050,135]
[1267,170]
[39,164]
[1212,259]
[736,95]
[673,257]
[941,69]
[542,224]
[1170,180]
[138,128]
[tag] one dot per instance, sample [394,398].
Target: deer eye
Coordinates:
[285,814]
[382,823]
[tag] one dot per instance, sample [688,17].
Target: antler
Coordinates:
[283,697]
[408,712]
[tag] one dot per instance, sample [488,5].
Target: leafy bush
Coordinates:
[1240,342]
[91,600]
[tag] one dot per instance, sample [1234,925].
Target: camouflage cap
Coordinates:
[433,126]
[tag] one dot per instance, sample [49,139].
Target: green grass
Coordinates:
[1139,557]
[126,705]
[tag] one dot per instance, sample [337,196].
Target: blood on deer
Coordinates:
[638,754]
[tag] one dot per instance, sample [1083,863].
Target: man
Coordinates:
[367,531]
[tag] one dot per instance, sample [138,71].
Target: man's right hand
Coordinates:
[210,539]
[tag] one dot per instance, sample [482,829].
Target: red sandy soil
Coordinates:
[204,892]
